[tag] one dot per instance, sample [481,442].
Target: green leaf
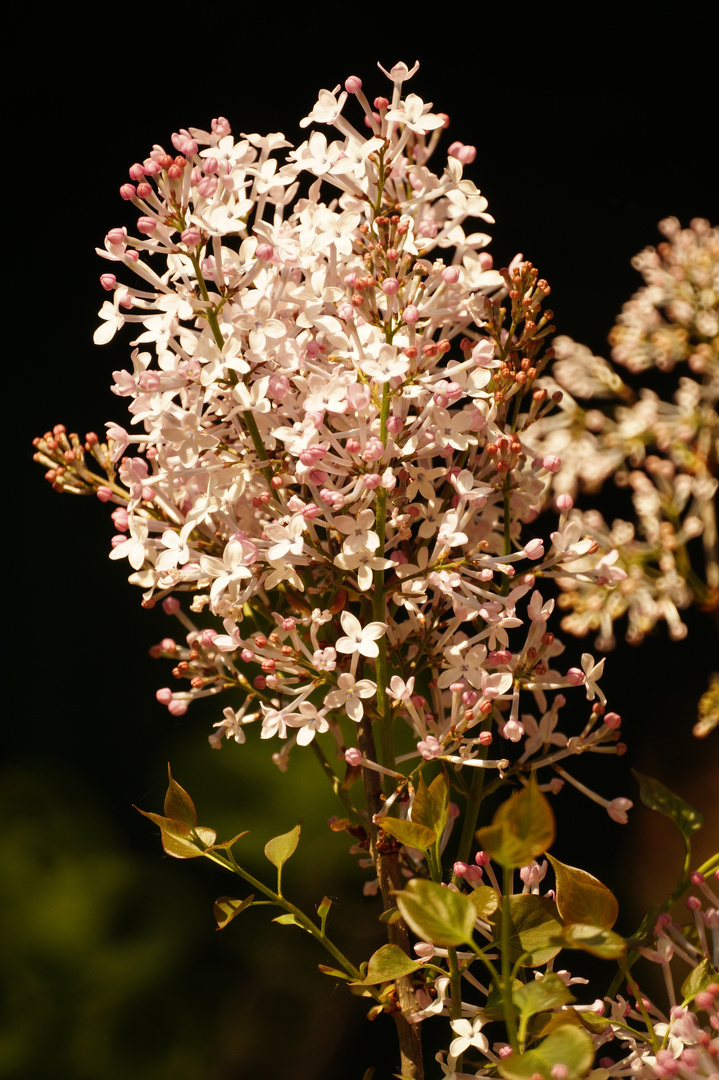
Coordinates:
[178,804]
[581,898]
[659,798]
[281,848]
[177,837]
[568,1045]
[227,844]
[698,979]
[541,995]
[597,940]
[437,914]
[485,901]
[180,848]
[289,920]
[593,1022]
[323,911]
[391,915]
[390,962]
[409,833]
[226,909]
[335,973]
[431,804]
[534,929]
[522,828]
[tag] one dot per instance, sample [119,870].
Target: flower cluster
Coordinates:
[664,453]
[333,439]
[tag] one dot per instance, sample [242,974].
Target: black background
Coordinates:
[588,132]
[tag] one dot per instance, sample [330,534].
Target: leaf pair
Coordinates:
[182,837]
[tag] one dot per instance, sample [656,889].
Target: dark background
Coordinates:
[588,134]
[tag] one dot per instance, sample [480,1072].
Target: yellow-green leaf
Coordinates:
[388,963]
[698,979]
[581,898]
[568,1045]
[485,901]
[597,940]
[280,848]
[539,995]
[178,804]
[409,833]
[533,931]
[289,920]
[431,804]
[522,828]
[226,908]
[435,913]
[655,796]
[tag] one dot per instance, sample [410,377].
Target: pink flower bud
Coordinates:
[177,708]
[617,810]
[534,549]
[136,172]
[104,494]
[353,84]
[450,275]
[394,424]
[264,252]
[221,126]
[575,676]
[119,517]
[390,286]
[146,225]
[191,236]
[108,282]
[127,192]
[381,103]
[170,605]
[564,502]
[552,463]
[372,480]
[164,695]
[116,236]
[612,720]
[353,756]
[278,387]
[358,396]
[410,314]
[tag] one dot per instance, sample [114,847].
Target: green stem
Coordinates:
[471,812]
[229,863]
[510,1015]
[642,1008]
[385,737]
[455,985]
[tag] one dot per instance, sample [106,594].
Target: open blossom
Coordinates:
[349,694]
[359,639]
